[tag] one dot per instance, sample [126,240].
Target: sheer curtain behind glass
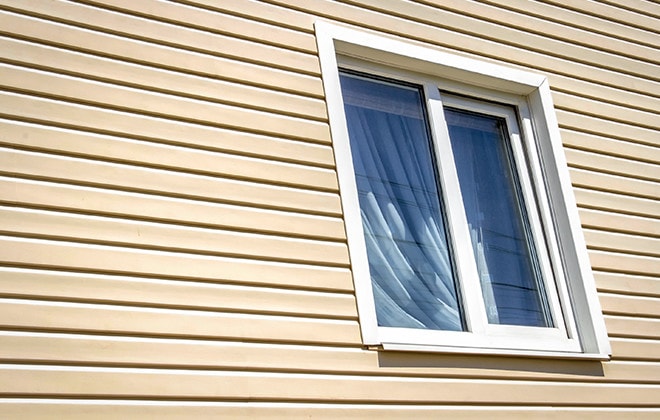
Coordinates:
[500,235]
[407,249]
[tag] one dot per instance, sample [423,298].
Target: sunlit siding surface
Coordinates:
[172,242]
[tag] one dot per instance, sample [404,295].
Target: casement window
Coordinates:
[462,228]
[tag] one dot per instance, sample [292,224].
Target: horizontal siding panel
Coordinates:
[622,242]
[614,183]
[150,235]
[140,101]
[605,145]
[633,371]
[620,222]
[630,305]
[635,349]
[608,95]
[42,30]
[632,327]
[610,13]
[106,202]
[169,34]
[125,382]
[165,156]
[57,348]
[85,287]
[166,81]
[639,6]
[599,109]
[617,202]
[222,23]
[95,173]
[125,261]
[607,128]
[481,45]
[628,284]
[174,352]
[570,18]
[613,165]
[633,264]
[110,319]
[258,10]
[111,409]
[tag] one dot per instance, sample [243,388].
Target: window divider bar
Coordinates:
[474,312]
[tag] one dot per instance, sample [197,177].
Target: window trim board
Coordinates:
[334,40]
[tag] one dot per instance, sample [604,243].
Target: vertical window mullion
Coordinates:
[466,267]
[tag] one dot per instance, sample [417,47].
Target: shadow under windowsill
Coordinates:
[490,364]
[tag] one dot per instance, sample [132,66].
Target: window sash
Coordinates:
[468,272]
[504,251]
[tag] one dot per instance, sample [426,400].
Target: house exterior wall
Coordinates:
[172,234]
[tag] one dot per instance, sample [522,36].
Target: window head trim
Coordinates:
[469,76]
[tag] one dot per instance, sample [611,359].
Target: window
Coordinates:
[462,228]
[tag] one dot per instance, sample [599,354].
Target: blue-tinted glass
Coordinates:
[506,259]
[409,261]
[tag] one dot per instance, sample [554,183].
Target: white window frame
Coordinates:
[580,328]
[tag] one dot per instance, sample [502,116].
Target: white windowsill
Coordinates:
[418,348]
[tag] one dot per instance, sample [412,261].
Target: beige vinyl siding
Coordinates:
[629,15]
[185,410]
[136,51]
[172,242]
